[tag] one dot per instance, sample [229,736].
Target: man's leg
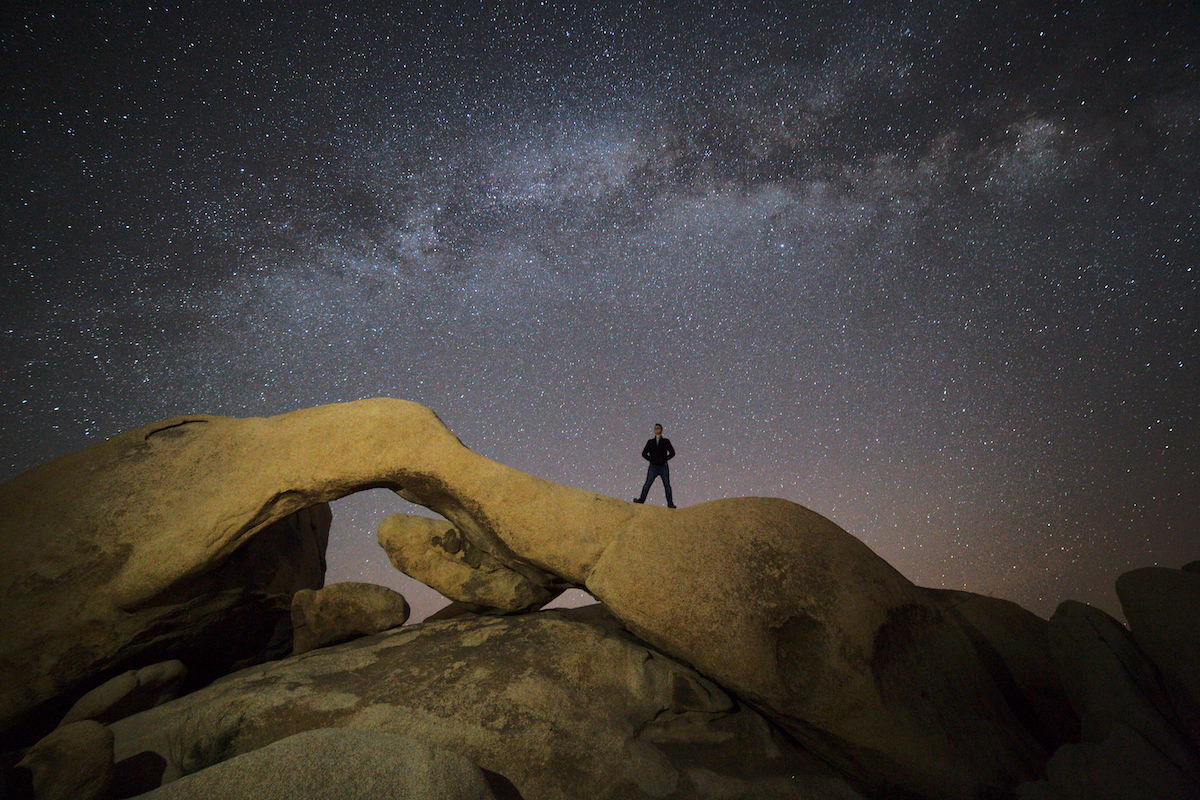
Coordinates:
[666,479]
[646,486]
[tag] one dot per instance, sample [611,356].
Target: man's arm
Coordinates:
[670,450]
[646,450]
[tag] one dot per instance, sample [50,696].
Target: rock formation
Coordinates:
[75,762]
[1136,737]
[142,547]
[772,600]
[336,764]
[1162,606]
[1014,646]
[435,553]
[344,611]
[129,693]
[564,704]
[80,528]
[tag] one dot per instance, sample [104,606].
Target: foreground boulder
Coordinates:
[336,764]
[75,762]
[344,611]
[773,601]
[1112,683]
[67,624]
[564,704]
[176,540]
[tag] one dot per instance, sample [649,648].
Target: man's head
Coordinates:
[657,429]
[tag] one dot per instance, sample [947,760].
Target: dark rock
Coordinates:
[1162,607]
[1123,766]
[75,762]
[1014,646]
[1121,703]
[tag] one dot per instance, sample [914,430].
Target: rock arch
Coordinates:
[92,537]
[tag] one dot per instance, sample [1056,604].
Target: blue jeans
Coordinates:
[655,471]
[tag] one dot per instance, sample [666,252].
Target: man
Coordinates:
[658,451]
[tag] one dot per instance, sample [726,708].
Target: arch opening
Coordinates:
[354,554]
[572,598]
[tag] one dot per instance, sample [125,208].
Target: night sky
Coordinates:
[930,269]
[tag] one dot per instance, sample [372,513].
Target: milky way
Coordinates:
[931,271]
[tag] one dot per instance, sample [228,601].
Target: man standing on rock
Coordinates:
[658,451]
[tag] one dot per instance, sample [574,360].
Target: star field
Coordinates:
[930,269]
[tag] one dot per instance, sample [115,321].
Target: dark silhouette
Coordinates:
[658,451]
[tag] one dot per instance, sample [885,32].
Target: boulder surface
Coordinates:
[1133,744]
[342,611]
[435,553]
[129,693]
[336,764]
[75,762]
[564,704]
[1163,609]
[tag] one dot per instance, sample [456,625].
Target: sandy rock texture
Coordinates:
[435,553]
[342,611]
[336,764]
[563,704]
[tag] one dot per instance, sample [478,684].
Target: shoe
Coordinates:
[671,505]
[638,501]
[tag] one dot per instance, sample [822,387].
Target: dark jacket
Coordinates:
[660,453]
